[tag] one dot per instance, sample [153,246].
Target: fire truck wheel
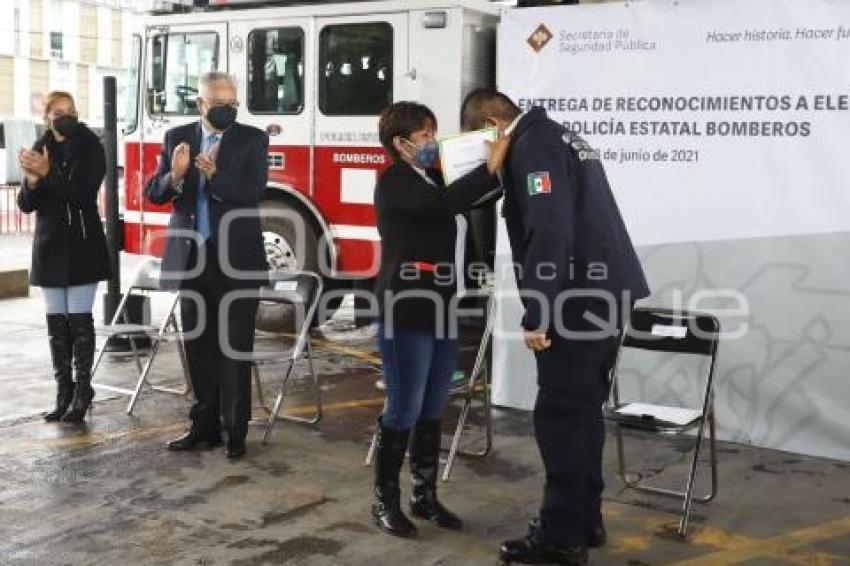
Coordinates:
[282,224]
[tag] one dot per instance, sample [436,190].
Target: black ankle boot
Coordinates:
[386,510]
[59,335]
[82,331]
[424,468]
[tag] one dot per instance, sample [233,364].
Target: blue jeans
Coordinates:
[418,369]
[69,300]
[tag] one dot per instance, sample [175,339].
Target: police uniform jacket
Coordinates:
[564,225]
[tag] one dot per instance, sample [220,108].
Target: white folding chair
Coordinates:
[302,291]
[680,333]
[145,283]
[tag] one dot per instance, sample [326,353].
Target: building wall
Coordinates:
[39,85]
[93,45]
[7,40]
[7,81]
[117,29]
[36,21]
[88,31]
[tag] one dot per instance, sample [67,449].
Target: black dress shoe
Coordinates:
[596,537]
[530,550]
[194,441]
[235,449]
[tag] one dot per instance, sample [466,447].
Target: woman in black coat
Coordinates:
[417,219]
[63,173]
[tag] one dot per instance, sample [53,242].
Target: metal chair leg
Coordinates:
[258,387]
[373,444]
[621,456]
[712,448]
[187,382]
[370,454]
[712,455]
[317,383]
[143,376]
[689,491]
[488,418]
[274,412]
[479,374]
[317,392]
[688,496]
[488,414]
[453,450]
[99,358]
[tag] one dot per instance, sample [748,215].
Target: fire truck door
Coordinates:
[362,68]
[274,64]
[177,57]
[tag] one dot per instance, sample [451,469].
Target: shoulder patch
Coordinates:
[539,183]
[580,148]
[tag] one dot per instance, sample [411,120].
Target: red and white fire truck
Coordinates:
[315,78]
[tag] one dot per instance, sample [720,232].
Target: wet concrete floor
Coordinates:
[109,493]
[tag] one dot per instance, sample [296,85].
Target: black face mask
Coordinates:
[221,117]
[65,125]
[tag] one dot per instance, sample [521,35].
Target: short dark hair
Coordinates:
[483,102]
[402,119]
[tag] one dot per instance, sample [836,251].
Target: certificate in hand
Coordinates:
[462,153]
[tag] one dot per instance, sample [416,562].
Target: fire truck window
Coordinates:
[355,69]
[131,120]
[276,71]
[179,60]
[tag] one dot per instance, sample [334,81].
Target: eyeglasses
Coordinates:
[233,104]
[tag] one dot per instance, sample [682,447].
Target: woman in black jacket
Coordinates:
[416,217]
[63,173]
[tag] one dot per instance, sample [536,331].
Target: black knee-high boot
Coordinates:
[82,331]
[424,468]
[59,335]
[386,510]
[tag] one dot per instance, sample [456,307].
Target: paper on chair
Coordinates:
[673,415]
[462,153]
[286,285]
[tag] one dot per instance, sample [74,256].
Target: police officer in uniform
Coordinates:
[578,276]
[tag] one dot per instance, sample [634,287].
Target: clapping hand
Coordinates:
[35,164]
[536,341]
[179,162]
[205,164]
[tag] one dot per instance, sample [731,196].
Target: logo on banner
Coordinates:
[540,38]
[539,183]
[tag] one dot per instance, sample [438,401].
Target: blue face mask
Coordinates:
[425,154]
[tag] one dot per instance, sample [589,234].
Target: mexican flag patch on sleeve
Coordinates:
[539,183]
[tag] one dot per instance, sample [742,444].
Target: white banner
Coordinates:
[717,119]
[722,125]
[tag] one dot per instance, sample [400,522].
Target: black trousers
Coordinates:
[222,385]
[572,376]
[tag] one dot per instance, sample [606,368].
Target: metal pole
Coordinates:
[113,223]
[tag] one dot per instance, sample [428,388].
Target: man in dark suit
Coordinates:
[214,173]
[578,276]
